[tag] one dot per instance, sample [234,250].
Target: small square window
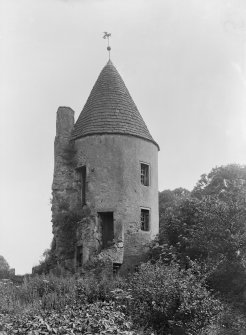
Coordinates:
[145,174]
[144,219]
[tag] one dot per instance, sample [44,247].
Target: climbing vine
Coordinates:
[67,225]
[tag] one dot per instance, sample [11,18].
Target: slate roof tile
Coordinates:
[110,109]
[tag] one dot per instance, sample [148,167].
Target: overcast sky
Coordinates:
[182,62]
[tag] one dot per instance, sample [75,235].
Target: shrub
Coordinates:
[212,232]
[97,318]
[169,299]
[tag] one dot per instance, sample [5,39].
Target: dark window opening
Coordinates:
[79,255]
[107,226]
[144,219]
[145,174]
[82,174]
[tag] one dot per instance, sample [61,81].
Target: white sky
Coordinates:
[182,62]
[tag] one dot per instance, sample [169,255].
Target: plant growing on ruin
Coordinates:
[67,223]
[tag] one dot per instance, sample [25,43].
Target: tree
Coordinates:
[4,266]
[169,199]
[225,182]
[209,227]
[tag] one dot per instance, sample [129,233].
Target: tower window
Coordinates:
[145,174]
[82,174]
[144,219]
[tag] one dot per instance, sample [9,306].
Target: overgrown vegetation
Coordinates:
[193,282]
[208,226]
[100,305]
[4,268]
[67,222]
[56,305]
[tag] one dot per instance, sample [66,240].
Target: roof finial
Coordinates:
[107,35]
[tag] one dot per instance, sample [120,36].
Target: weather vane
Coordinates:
[107,35]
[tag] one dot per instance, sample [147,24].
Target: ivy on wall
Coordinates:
[67,223]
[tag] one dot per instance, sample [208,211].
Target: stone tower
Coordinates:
[106,164]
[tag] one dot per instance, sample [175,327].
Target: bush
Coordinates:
[211,232]
[230,322]
[169,299]
[97,318]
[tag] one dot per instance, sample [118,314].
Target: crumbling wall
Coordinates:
[64,193]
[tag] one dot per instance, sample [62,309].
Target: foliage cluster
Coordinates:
[157,299]
[38,292]
[171,300]
[67,223]
[4,268]
[56,305]
[207,225]
[97,318]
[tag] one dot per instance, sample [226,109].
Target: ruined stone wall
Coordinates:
[114,185]
[64,194]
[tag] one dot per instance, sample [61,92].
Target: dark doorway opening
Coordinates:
[107,226]
[116,268]
[79,255]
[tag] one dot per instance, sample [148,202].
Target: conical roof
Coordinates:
[110,109]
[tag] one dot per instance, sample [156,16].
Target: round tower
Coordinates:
[115,175]
[119,158]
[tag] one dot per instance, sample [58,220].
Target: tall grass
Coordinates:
[39,292]
[49,292]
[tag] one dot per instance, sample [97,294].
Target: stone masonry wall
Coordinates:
[113,185]
[64,194]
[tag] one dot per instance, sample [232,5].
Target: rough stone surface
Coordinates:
[63,191]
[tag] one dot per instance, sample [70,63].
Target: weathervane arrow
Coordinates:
[107,36]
